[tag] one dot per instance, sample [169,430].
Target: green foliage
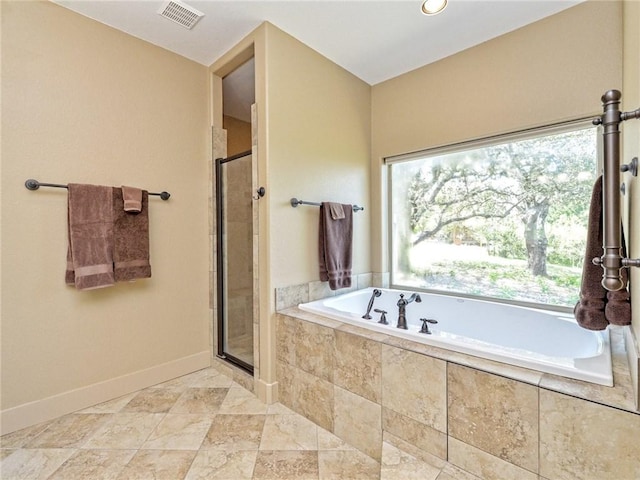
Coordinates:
[508,281]
[504,221]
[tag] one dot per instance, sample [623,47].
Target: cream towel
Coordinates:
[132,199]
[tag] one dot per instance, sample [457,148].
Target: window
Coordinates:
[504,217]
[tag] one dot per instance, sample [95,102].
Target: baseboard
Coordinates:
[633,356]
[267,392]
[39,411]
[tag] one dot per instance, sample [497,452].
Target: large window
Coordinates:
[504,218]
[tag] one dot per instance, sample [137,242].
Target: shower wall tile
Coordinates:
[581,440]
[291,296]
[319,290]
[415,433]
[358,421]
[494,414]
[365,280]
[219,142]
[415,385]
[254,124]
[314,352]
[256,276]
[484,465]
[380,279]
[256,349]
[358,365]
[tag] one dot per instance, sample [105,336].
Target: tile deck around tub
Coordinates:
[199,426]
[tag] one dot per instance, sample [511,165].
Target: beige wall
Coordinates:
[314,127]
[82,102]
[238,135]
[552,70]
[631,142]
[319,150]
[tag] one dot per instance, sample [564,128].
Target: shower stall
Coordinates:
[235,259]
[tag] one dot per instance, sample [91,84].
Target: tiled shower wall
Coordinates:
[361,387]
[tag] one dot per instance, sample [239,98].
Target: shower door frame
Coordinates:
[221,300]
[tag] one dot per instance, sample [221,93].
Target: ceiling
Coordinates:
[374,40]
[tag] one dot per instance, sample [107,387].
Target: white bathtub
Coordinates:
[549,342]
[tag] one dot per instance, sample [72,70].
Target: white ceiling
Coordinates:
[374,40]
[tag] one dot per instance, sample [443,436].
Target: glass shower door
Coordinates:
[235,259]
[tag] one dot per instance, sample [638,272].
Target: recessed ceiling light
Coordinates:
[433,7]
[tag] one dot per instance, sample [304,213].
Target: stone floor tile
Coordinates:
[235,432]
[70,431]
[93,464]
[223,465]
[158,465]
[286,465]
[152,400]
[179,432]
[289,432]
[33,464]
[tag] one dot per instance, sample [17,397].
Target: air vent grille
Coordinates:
[180,13]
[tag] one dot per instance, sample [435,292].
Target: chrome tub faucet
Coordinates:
[402,309]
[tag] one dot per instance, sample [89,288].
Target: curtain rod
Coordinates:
[32,184]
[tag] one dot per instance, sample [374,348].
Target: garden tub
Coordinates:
[542,340]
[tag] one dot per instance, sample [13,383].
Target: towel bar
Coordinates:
[32,184]
[295,202]
[612,262]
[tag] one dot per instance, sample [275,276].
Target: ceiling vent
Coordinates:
[180,13]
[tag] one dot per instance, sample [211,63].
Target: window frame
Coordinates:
[514,136]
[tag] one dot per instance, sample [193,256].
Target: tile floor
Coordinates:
[199,426]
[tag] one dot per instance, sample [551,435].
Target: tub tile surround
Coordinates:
[494,414]
[292,295]
[491,420]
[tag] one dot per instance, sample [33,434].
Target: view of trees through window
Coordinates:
[506,221]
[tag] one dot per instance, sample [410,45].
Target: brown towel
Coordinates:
[334,247]
[617,310]
[132,199]
[597,307]
[131,239]
[90,229]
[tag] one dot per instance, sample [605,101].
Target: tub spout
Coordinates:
[376,293]
[402,308]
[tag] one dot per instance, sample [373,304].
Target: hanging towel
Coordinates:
[90,230]
[597,307]
[131,239]
[132,199]
[334,247]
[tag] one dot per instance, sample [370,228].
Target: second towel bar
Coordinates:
[295,202]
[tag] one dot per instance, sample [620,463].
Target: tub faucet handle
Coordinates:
[425,327]
[383,316]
